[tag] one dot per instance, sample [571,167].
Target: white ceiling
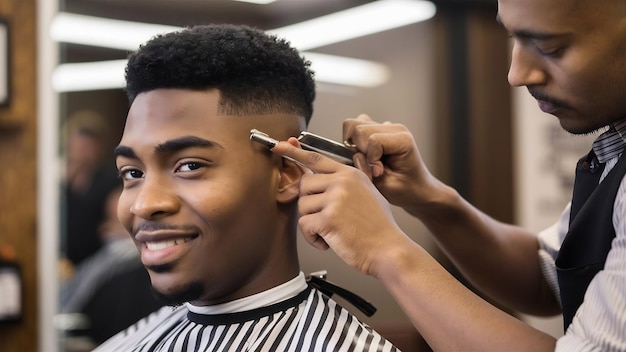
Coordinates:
[187,12]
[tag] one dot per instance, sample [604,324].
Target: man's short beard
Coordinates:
[191,292]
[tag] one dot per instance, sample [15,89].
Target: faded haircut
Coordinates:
[255,72]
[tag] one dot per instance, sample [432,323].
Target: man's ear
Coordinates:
[289,182]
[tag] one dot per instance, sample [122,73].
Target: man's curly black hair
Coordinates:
[255,72]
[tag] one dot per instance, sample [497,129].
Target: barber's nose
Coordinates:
[154,199]
[526,69]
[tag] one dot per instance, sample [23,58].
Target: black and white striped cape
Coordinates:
[310,321]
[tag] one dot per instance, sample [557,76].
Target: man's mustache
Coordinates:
[152,226]
[547,98]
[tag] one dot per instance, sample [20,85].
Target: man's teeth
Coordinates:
[158,245]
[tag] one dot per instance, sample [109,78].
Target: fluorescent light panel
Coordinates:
[356,22]
[260,2]
[110,74]
[84,76]
[103,32]
[347,71]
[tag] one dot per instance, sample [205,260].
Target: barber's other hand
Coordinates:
[388,153]
[340,207]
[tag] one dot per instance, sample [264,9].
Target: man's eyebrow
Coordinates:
[170,146]
[177,144]
[124,151]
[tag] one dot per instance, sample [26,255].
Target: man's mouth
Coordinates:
[159,245]
[168,249]
[547,107]
[547,103]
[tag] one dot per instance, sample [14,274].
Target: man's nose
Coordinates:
[154,199]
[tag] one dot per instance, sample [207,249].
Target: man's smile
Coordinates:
[159,245]
[162,247]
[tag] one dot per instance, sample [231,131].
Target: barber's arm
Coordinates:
[498,258]
[340,208]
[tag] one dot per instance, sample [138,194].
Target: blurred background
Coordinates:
[439,67]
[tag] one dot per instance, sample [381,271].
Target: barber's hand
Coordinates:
[388,153]
[340,207]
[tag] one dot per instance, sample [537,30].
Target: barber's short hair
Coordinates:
[255,72]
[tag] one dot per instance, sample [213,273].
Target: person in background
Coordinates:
[89,177]
[109,290]
[213,214]
[571,55]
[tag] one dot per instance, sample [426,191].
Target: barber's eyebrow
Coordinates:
[170,146]
[527,34]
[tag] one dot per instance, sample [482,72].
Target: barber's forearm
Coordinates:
[449,316]
[499,259]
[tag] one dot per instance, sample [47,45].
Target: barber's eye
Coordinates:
[550,52]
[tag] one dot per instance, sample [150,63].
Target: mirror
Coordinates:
[405,52]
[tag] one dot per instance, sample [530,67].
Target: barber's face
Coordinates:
[199,199]
[571,55]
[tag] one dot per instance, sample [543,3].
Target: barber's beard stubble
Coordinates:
[179,295]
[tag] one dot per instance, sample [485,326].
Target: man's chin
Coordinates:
[578,129]
[178,296]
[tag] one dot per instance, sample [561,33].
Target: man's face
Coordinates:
[200,199]
[571,55]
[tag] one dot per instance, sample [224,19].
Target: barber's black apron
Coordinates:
[587,243]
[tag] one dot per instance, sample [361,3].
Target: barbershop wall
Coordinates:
[18,133]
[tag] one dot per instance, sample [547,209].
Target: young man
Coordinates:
[212,213]
[571,55]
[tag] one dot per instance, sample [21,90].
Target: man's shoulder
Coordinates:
[161,319]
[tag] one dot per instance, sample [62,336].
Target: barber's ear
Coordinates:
[289,182]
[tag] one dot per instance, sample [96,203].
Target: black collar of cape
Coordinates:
[254,314]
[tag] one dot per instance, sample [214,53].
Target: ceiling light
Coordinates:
[110,74]
[89,76]
[356,22]
[260,2]
[347,71]
[103,32]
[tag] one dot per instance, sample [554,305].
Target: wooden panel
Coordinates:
[474,118]
[19,169]
[490,116]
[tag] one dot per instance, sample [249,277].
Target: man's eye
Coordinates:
[131,174]
[189,166]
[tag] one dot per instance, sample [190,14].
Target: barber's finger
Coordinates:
[309,228]
[362,134]
[315,240]
[397,143]
[316,162]
[360,162]
[371,169]
[350,124]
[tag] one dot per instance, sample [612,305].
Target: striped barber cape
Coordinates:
[309,321]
